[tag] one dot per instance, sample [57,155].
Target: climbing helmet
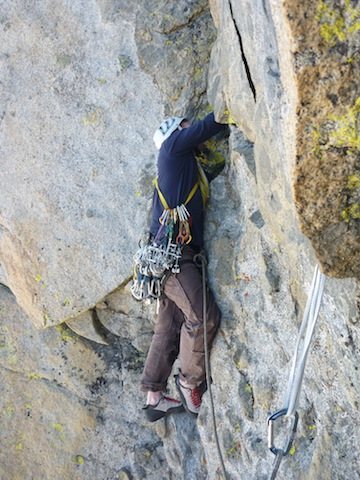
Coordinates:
[167,127]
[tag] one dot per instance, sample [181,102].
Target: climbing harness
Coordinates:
[162,254]
[291,399]
[200,260]
[203,183]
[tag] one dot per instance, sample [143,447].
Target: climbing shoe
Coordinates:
[165,406]
[191,397]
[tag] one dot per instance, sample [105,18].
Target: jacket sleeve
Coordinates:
[189,138]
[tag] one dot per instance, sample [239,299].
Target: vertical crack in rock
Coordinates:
[272,272]
[243,56]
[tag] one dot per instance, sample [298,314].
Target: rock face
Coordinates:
[72,123]
[289,83]
[327,175]
[83,86]
[69,408]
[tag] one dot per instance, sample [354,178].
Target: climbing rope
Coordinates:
[305,335]
[291,399]
[201,260]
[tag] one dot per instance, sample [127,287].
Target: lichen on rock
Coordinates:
[328,132]
[84,85]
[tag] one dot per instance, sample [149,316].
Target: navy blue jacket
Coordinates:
[177,174]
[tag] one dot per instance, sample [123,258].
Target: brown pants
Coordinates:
[179,329]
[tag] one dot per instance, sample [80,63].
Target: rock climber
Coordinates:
[178,330]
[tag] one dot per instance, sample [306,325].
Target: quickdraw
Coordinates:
[151,262]
[297,371]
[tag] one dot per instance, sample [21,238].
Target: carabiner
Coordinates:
[271,419]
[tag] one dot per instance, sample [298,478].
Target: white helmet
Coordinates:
[167,127]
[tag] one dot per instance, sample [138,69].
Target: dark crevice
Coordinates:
[246,65]
[272,271]
[181,26]
[6,288]
[98,326]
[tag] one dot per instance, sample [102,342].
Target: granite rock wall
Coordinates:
[83,86]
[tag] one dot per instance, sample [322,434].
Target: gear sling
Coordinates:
[162,254]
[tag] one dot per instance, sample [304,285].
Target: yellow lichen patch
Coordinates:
[38,279]
[92,118]
[66,302]
[198,74]
[19,446]
[210,155]
[123,476]
[351,213]
[229,118]
[147,454]
[316,136]
[292,450]
[209,108]
[237,428]
[8,349]
[248,388]
[326,133]
[346,133]
[339,408]
[353,182]
[60,429]
[79,460]
[65,333]
[234,450]
[238,365]
[34,376]
[337,24]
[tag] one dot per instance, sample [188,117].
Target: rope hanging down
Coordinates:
[291,399]
[200,260]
